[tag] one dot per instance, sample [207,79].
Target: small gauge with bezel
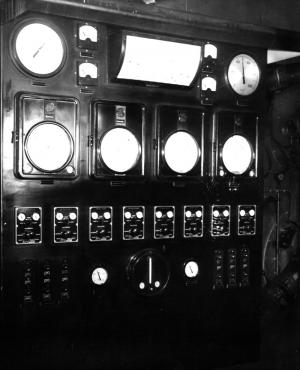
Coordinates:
[243,74]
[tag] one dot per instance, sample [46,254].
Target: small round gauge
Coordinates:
[181,152]
[191,269]
[120,149]
[99,276]
[39,49]
[237,154]
[48,146]
[243,74]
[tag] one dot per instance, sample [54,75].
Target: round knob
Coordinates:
[106,215]
[242,212]
[35,216]
[252,212]
[127,215]
[226,213]
[59,216]
[216,213]
[139,215]
[170,214]
[198,213]
[158,214]
[21,217]
[188,214]
[72,216]
[95,215]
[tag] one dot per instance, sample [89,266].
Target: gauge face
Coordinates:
[88,32]
[88,69]
[99,276]
[237,154]
[120,149]
[191,269]
[181,152]
[243,74]
[48,146]
[39,49]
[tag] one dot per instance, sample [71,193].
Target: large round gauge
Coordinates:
[243,74]
[237,154]
[99,276]
[39,49]
[181,152]
[191,269]
[49,146]
[120,149]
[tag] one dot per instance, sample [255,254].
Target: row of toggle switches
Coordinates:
[28,223]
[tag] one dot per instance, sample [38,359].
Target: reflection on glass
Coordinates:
[181,152]
[48,147]
[120,149]
[160,61]
[39,48]
[237,154]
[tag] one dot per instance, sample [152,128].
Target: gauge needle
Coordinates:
[150,270]
[243,71]
[191,269]
[38,50]
[99,275]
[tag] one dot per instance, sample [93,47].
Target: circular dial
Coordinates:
[39,49]
[237,154]
[191,269]
[99,276]
[243,74]
[148,272]
[181,152]
[120,149]
[48,146]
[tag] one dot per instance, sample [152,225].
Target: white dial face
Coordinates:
[99,276]
[191,269]
[88,69]
[39,49]
[182,152]
[120,149]
[88,32]
[243,74]
[48,147]
[237,154]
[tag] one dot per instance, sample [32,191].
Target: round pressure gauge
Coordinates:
[49,146]
[181,152]
[120,149]
[237,154]
[99,276]
[191,269]
[243,74]
[39,49]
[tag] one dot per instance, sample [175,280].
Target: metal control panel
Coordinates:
[65,224]
[231,268]
[246,219]
[100,223]
[164,222]
[28,221]
[220,220]
[133,222]
[193,221]
[244,267]
[219,269]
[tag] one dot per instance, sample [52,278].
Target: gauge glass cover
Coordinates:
[120,149]
[181,152]
[243,74]
[99,276]
[191,269]
[48,147]
[237,154]
[39,49]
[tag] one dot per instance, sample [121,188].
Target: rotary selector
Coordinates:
[148,272]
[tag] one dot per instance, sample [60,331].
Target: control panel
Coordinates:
[220,220]
[246,219]
[65,224]
[164,222]
[133,222]
[244,267]
[28,221]
[100,223]
[231,268]
[218,279]
[28,277]
[193,221]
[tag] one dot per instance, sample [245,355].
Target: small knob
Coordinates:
[59,216]
[127,215]
[21,217]
[225,213]
[242,212]
[198,213]
[158,214]
[35,216]
[139,215]
[252,212]
[170,214]
[95,215]
[106,215]
[216,213]
[188,214]
[72,216]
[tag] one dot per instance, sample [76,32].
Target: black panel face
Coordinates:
[116,217]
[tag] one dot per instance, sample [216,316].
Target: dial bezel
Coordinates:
[228,78]
[14,54]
